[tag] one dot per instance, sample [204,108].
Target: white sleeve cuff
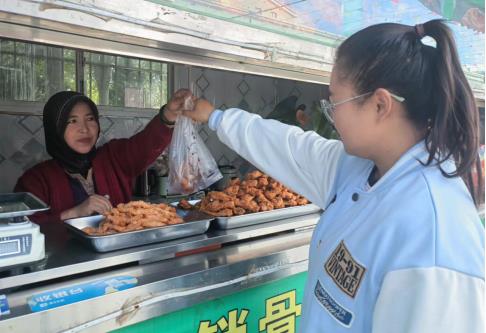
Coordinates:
[215,119]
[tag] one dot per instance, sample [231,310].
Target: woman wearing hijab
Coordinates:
[82,179]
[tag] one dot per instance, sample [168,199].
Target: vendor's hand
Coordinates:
[202,111]
[175,106]
[94,204]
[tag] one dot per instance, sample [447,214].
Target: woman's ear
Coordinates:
[384,103]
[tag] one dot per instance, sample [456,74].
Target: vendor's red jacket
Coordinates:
[115,166]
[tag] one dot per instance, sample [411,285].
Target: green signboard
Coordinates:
[270,308]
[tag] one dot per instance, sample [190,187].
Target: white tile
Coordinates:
[32,124]
[11,169]
[29,155]
[13,136]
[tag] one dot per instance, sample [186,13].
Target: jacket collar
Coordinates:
[412,160]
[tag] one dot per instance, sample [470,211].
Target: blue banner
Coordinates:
[80,292]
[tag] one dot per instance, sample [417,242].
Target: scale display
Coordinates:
[15,245]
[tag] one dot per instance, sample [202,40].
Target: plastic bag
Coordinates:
[191,165]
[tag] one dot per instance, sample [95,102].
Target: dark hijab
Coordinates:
[55,116]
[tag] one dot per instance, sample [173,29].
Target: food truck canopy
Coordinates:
[292,39]
[327,22]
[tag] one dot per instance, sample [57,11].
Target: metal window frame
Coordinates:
[139,69]
[26,108]
[34,57]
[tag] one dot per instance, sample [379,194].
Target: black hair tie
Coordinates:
[419,30]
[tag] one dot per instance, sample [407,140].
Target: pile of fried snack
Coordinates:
[257,193]
[135,215]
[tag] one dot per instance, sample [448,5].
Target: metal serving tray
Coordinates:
[195,223]
[20,204]
[261,217]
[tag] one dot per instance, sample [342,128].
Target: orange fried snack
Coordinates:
[257,193]
[135,215]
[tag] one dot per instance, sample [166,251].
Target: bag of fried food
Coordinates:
[135,215]
[191,165]
[257,193]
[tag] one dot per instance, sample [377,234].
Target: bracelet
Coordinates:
[163,119]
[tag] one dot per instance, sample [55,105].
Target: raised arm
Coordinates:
[303,161]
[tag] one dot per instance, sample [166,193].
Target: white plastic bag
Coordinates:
[191,165]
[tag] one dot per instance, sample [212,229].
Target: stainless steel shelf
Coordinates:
[67,257]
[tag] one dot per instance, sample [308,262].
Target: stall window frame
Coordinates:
[25,107]
[32,58]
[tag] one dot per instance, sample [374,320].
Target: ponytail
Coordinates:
[455,123]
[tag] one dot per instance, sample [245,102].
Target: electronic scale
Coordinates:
[20,240]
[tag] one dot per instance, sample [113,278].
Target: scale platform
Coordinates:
[21,241]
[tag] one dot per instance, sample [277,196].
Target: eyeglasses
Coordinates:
[329,108]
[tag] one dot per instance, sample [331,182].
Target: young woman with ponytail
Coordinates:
[400,246]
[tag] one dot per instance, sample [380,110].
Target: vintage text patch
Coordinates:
[346,272]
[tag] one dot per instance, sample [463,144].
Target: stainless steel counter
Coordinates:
[235,259]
